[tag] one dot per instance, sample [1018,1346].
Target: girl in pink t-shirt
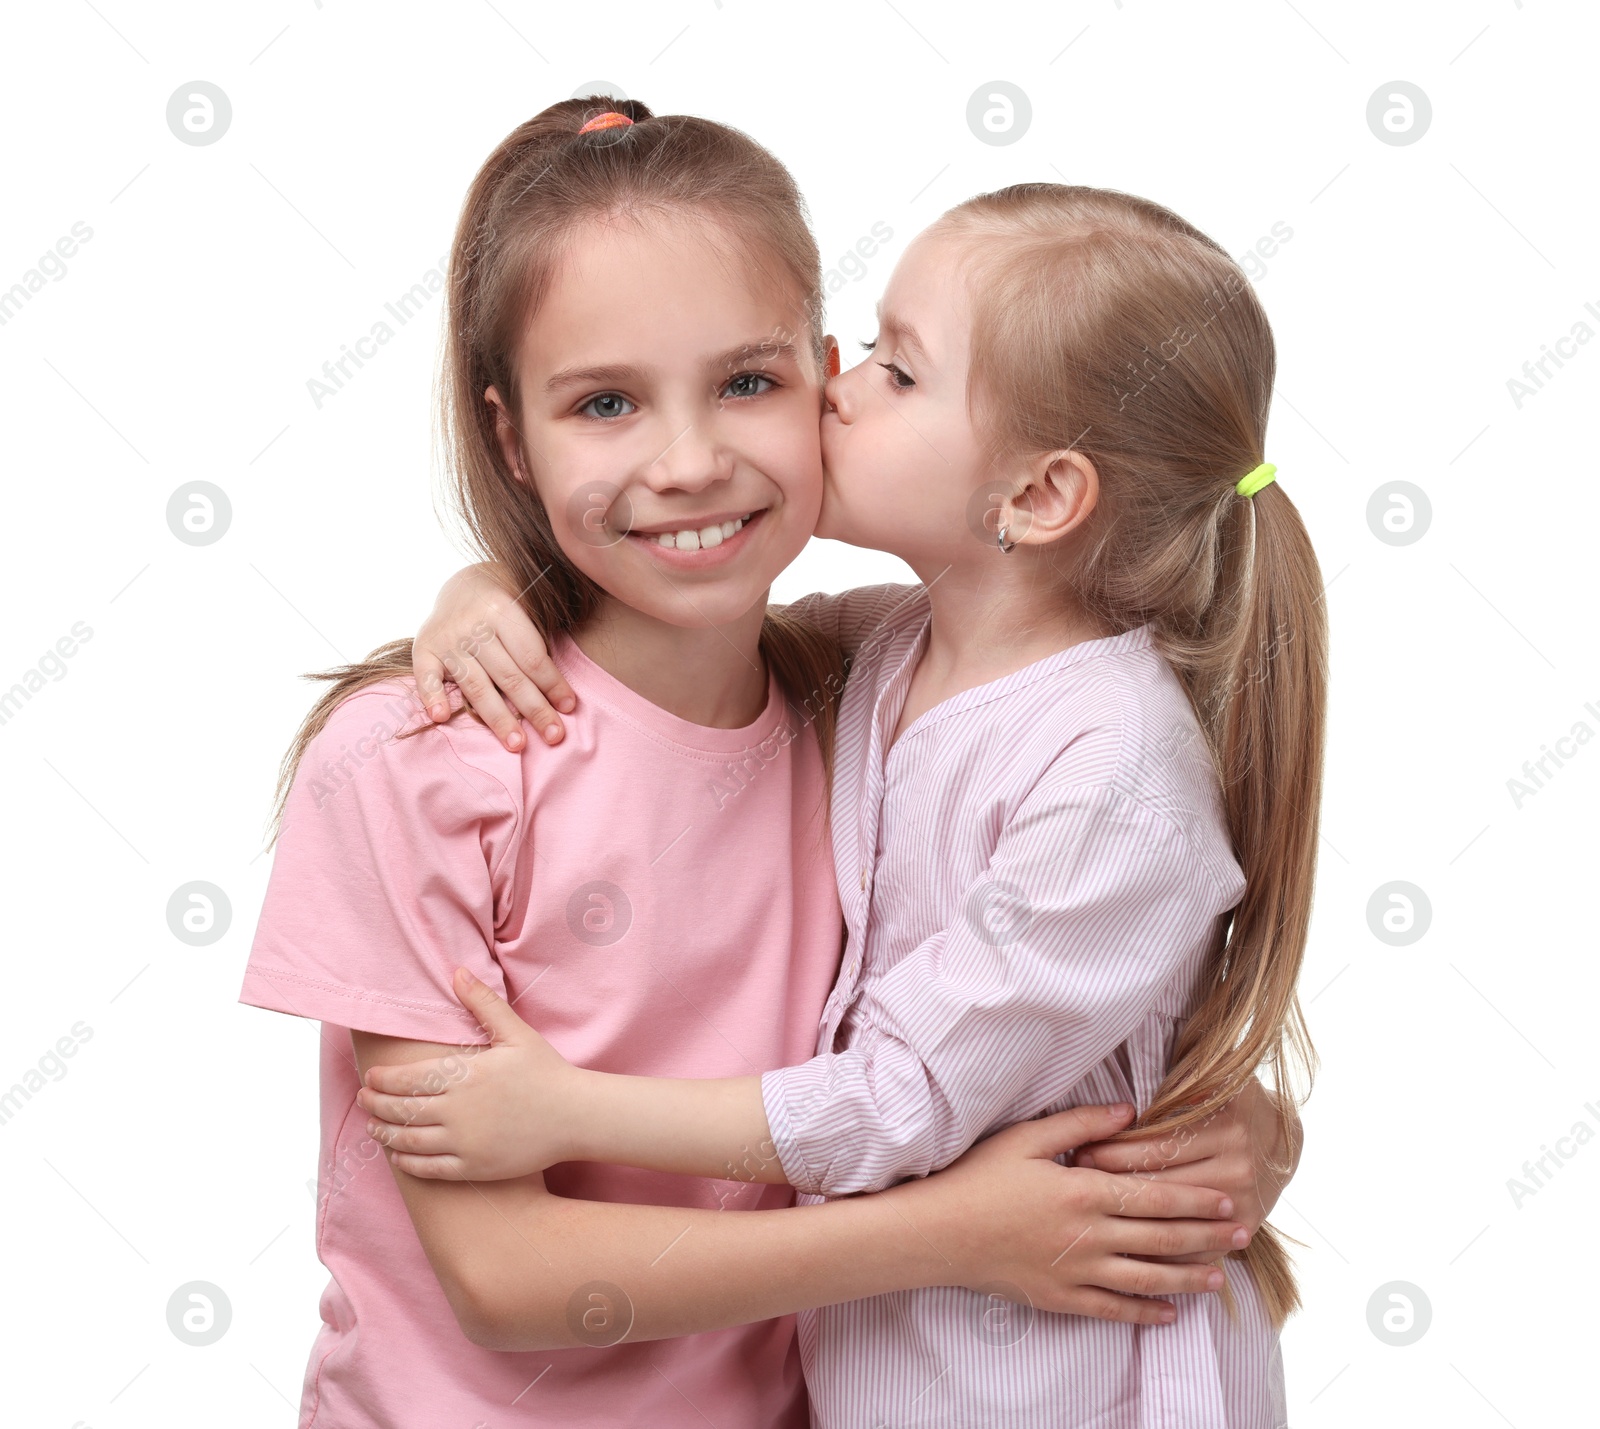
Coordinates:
[1074,812]
[632,386]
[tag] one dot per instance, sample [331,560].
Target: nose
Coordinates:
[841,395]
[691,461]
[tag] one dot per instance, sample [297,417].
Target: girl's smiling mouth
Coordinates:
[709,542]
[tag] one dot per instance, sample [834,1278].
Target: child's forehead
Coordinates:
[676,253]
[648,328]
[668,292]
[928,296]
[930,264]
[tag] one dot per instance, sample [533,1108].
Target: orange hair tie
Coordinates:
[609,120]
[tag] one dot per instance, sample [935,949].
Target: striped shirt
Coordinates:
[1031,878]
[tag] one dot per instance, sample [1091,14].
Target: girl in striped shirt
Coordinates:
[1074,810]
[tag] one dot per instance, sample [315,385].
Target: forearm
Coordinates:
[535,1259]
[693,1127]
[860,1120]
[848,617]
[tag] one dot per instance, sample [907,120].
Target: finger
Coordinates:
[1146,1277]
[1198,1173]
[413,1079]
[525,694]
[429,672]
[1226,1176]
[1106,1304]
[1123,1157]
[1051,1135]
[480,692]
[1178,1147]
[1219,1135]
[531,657]
[400,1111]
[419,1140]
[1148,1196]
[1102,1304]
[1169,1238]
[428,1168]
[496,1016]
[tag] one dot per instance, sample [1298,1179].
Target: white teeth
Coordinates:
[703,539]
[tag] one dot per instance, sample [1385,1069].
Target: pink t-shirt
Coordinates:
[655,896]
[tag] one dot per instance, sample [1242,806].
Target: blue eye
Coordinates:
[607,406]
[744,385]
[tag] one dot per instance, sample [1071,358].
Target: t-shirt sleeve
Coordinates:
[389,873]
[850,616]
[1091,906]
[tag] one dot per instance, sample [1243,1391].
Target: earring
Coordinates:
[1000,540]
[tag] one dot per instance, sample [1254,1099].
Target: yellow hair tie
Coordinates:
[1252,482]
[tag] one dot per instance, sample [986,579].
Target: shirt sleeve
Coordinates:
[1091,905]
[850,616]
[386,878]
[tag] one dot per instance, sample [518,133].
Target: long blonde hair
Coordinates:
[1106,323]
[543,181]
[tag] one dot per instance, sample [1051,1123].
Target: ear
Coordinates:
[830,355]
[507,435]
[1061,490]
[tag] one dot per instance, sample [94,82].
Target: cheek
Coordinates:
[584,494]
[583,482]
[579,517]
[905,481]
[789,454]
[879,458]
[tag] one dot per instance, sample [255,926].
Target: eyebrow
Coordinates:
[888,322]
[765,350]
[574,376]
[623,373]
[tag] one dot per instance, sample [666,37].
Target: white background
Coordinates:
[178,344]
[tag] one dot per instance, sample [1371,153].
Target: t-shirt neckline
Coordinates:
[592,681]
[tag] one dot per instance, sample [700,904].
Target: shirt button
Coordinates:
[863,878]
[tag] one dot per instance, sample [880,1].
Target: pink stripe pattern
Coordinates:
[1031,877]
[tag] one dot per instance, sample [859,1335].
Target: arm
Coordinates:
[519,1106]
[848,617]
[479,637]
[518,1264]
[1249,1150]
[391,874]
[1105,907]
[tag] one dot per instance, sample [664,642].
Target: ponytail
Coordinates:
[1260,700]
[1107,323]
